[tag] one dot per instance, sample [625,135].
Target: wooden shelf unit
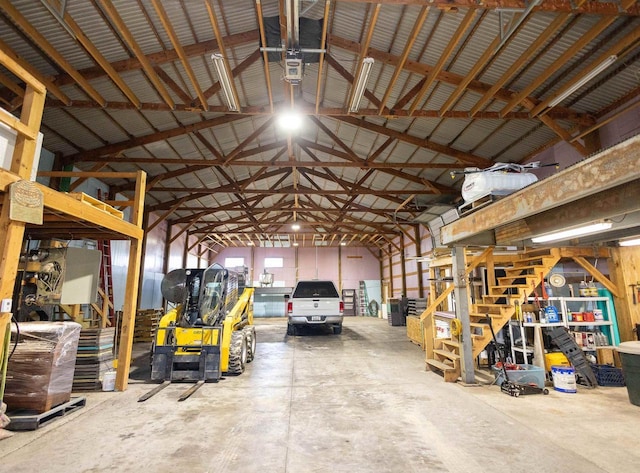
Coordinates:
[65,216]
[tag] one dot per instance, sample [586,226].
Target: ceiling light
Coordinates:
[295,243]
[634,242]
[586,78]
[225,81]
[343,243]
[290,121]
[361,84]
[572,232]
[295,227]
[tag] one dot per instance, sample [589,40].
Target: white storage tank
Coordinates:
[481,183]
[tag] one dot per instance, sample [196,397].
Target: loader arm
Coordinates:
[240,315]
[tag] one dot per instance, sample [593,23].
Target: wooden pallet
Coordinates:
[87,199]
[24,420]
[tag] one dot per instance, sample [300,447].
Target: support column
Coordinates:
[340,269]
[167,248]
[185,251]
[130,300]
[403,271]
[21,164]
[419,268]
[390,272]
[461,292]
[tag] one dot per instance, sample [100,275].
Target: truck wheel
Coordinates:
[250,335]
[337,329]
[237,353]
[291,329]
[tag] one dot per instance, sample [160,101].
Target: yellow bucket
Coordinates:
[555,359]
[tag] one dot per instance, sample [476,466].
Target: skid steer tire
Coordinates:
[250,335]
[237,353]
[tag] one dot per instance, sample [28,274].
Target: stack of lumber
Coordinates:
[95,357]
[40,371]
[146,324]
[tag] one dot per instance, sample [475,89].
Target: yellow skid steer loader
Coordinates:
[210,331]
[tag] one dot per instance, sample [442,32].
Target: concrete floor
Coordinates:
[357,402]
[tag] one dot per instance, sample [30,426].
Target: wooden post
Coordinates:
[21,164]
[624,271]
[131,291]
[167,248]
[145,224]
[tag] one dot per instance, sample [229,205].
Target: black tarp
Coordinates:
[310,38]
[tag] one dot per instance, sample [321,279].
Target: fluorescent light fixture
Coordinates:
[295,243]
[343,243]
[290,121]
[225,81]
[295,227]
[634,242]
[361,84]
[573,232]
[586,78]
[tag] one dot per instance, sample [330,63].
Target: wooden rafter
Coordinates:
[265,54]
[146,65]
[363,50]
[417,26]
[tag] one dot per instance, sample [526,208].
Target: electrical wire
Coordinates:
[15,344]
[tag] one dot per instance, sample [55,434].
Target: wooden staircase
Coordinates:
[522,277]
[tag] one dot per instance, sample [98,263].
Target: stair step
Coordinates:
[447,354]
[490,299]
[481,326]
[484,316]
[535,267]
[498,309]
[452,344]
[510,286]
[449,372]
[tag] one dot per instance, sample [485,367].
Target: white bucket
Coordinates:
[564,379]
[109,381]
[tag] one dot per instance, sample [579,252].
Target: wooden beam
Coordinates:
[444,57]
[601,278]
[173,37]
[570,52]
[41,42]
[604,8]
[265,54]
[126,35]
[616,49]
[520,61]
[115,148]
[323,45]
[131,289]
[166,214]
[603,171]
[97,56]
[417,26]
[20,169]
[364,49]
[216,31]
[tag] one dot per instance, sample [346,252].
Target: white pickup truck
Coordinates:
[315,303]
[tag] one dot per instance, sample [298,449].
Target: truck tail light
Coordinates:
[289,307]
[341,307]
